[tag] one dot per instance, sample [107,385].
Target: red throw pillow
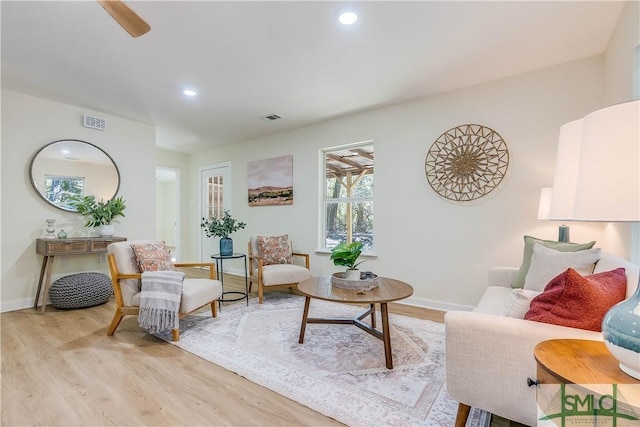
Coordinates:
[570,299]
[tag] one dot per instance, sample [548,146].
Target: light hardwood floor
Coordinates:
[61,369]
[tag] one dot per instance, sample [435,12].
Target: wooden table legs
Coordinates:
[383,335]
[45,275]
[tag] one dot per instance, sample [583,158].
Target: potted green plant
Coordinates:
[99,214]
[222,227]
[346,255]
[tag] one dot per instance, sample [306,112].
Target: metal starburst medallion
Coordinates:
[466,162]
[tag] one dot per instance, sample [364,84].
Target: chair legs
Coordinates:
[117,318]
[175,334]
[463,414]
[214,308]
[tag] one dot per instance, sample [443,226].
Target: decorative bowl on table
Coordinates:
[367,281]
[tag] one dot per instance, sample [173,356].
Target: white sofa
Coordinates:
[490,356]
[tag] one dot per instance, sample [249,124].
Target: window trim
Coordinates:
[322,200]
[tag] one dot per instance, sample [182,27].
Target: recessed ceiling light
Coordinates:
[347,18]
[190,92]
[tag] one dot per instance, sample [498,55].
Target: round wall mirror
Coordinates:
[71,167]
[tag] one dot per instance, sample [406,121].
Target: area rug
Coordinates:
[339,370]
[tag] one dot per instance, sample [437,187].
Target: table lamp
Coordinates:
[544,213]
[566,175]
[607,188]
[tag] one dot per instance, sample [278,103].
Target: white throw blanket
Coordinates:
[160,300]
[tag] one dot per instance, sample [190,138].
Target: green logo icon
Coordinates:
[573,405]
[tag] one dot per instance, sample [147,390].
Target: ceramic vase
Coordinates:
[621,333]
[352,274]
[226,246]
[107,230]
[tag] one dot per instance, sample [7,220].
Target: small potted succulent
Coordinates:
[346,255]
[222,227]
[99,214]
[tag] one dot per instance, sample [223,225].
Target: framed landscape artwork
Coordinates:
[271,181]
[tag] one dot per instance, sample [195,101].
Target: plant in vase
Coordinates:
[222,227]
[99,214]
[346,255]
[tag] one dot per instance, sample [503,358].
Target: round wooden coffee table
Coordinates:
[388,290]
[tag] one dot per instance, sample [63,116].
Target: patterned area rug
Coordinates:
[339,371]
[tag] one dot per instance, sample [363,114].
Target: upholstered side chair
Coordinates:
[272,264]
[126,275]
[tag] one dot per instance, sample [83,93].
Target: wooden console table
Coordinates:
[49,248]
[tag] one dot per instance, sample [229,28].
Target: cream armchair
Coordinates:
[125,278]
[271,264]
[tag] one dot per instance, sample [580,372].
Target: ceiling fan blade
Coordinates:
[125,17]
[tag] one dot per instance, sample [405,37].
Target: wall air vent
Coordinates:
[95,122]
[271,117]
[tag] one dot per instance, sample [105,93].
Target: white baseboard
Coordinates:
[235,272]
[21,304]
[416,302]
[413,301]
[435,305]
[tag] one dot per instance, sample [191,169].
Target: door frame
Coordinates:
[178,207]
[226,202]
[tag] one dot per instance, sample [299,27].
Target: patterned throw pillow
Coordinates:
[274,249]
[153,257]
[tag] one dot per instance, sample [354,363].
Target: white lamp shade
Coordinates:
[566,175]
[608,178]
[544,207]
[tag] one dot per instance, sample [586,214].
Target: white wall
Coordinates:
[622,80]
[29,123]
[442,249]
[619,57]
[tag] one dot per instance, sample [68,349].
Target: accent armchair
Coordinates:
[126,281]
[271,264]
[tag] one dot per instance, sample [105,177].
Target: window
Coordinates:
[347,195]
[58,189]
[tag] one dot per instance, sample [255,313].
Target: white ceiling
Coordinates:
[291,58]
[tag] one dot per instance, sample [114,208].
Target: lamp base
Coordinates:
[621,335]
[629,360]
[563,233]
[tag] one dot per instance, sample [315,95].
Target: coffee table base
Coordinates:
[357,321]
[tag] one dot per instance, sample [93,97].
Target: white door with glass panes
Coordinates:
[215,190]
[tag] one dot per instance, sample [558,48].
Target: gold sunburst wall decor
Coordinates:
[467,162]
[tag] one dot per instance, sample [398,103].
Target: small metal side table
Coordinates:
[219,269]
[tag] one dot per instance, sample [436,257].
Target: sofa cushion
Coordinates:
[492,300]
[547,263]
[573,300]
[518,302]
[153,256]
[279,274]
[528,252]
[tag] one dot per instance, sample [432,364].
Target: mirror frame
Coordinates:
[40,193]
